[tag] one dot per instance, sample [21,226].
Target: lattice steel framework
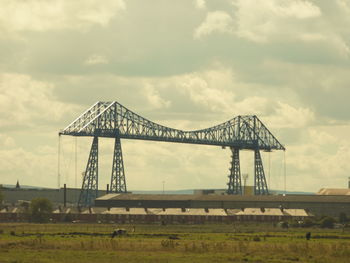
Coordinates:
[89,189]
[118,184]
[113,120]
[107,119]
[235,183]
[260,185]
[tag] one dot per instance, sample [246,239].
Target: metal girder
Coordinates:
[89,189]
[235,183]
[106,119]
[118,184]
[260,185]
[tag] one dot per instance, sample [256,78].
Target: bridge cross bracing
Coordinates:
[113,120]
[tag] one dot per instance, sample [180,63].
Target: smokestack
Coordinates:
[64,195]
[107,188]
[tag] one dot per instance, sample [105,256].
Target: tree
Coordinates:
[327,222]
[308,222]
[41,210]
[343,219]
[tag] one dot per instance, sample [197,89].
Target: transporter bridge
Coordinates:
[113,120]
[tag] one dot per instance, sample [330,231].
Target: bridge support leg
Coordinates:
[235,184]
[260,185]
[89,189]
[118,184]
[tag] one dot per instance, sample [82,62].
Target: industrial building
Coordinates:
[156,215]
[208,204]
[317,205]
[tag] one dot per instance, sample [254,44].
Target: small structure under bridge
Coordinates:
[113,120]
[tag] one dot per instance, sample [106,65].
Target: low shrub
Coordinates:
[327,222]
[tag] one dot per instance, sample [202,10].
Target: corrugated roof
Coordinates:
[260,212]
[295,212]
[168,211]
[187,211]
[184,212]
[263,198]
[4,210]
[232,212]
[124,211]
[107,196]
[206,212]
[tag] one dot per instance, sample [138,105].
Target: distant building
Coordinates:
[15,195]
[333,191]
[247,190]
[210,191]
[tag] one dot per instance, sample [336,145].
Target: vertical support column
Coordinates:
[118,184]
[235,184]
[260,185]
[89,189]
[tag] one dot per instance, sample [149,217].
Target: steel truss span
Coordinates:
[113,120]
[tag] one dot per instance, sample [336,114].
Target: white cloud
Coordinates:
[217,90]
[154,98]
[217,21]
[282,21]
[321,158]
[6,141]
[42,15]
[324,88]
[344,5]
[223,100]
[320,137]
[200,4]
[299,9]
[209,89]
[25,100]
[96,59]
[287,116]
[259,21]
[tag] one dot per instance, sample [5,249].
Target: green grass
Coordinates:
[151,243]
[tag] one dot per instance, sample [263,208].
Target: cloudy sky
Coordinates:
[185,64]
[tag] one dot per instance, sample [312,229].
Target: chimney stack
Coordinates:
[64,195]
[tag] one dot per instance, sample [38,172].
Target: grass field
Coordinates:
[171,243]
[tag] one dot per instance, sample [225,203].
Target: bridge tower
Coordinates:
[118,184]
[89,189]
[235,183]
[260,185]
